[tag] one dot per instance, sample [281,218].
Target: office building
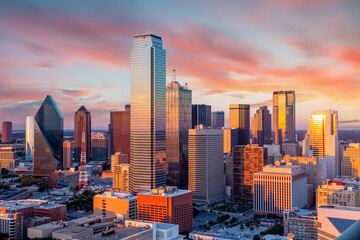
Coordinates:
[240,119]
[118,158]
[12,225]
[324,139]
[217,119]
[206,164]
[229,170]
[7,157]
[283,116]
[301,223]
[121,178]
[247,160]
[82,123]
[273,153]
[231,139]
[201,114]
[291,148]
[115,204]
[166,205]
[148,113]
[306,147]
[67,154]
[98,147]
[120,131]
[350,164]
[336,193]
[6,132]
[29,138]
[334,220]
[279,188]
[48,138]
[178,122]
[261,127]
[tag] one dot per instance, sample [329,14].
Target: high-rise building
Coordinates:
[206,164]
[6,132]
[240,119]
[334,220]
[217,119]
[7,157]
[120,131]
[12,225]
[67,154]
[350,164]
[247,160]
[306,148]
[283,116]
[279,188]
[82,123]
[273,152]
[302,223]
[231,139]
[115,204]
[324,139]
[336,193]
[166,205]
[291,148]
[178,122]
[148,113]
[121,178]
[261,127]
[29,138]
[48,138]
[201,114]
[118,158]
[98,147]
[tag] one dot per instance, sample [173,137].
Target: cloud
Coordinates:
[349,121]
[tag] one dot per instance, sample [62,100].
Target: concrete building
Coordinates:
[336,193]
[291,148]
[6,132]
[229,170]
[12,225]
[231,139]
[121,178]
[306,147]
[118,158]
[67,155]
[115,204]
[261,127]
[120,131]
[98,147]
[247,160]
[279,188]
[178,122]
[201,114]
[206,164]
[301,223]
[334,220]
[166,205]
[14,194]
[217,119]
[273,152]
[350,164]
[283,116]
[7,157]
[82,123]
[239,117]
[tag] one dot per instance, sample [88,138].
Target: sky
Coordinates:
[227,51]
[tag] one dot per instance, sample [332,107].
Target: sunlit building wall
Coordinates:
[67,154]
[121,177]
[350,165]
[7,157]
[261,127]
[337,193]
[82,123]
[231,139]
[6,129]
[148,113]
[29,138]
[120,131]
[240,119]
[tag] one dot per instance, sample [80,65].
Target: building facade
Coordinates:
[7,157]
[120,131]
[201,114]
[239,116]
[12,224]
[48,138]
[336,193]
[29,138]
[302,223]
[217,119]
[6,136]
[350,164]
[99,147]
[82,122]
[118,158]
[261,127]
[148,113]
[67,154]
[178,122]
[121,178]
[283,116]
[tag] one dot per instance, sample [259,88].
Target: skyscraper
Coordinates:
[67,154]
[350,164]
[120,131]
[6,132]
[147,115]
[217,119]
[29,138]
[240,119]
[99,147]
[82,118]
[178,122]
[283,116]
[323,134]
[201,114]
[48,138]
[261,127]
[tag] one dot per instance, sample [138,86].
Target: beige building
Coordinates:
[118,158]
[206,164]
[338,194]
[350,164]
[121,177]
[115,204]
[279,188]
[302,223]
[7,157]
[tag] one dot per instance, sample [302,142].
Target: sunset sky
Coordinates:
[227,51]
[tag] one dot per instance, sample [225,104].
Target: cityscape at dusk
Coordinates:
[169,120]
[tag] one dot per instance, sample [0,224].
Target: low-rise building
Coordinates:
[12,224]
[301,223]
[336,193]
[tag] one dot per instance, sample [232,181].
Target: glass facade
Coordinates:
[178,122]
[29,137]
[217,119]
[82,118]
[261,127]
[201,114]
[48,138]
[147,116]
[240,119]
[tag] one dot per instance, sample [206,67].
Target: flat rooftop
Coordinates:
[72,229]
[9,193]
[117,195]
[356,209]
[122,232]
[19,204]
[175,193]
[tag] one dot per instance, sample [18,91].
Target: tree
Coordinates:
[233,220]
[256,237]
[242,226]
[247,224]
[251,228]
[226,223]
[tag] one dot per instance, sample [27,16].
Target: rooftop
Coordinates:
[146,35]
[121,232]
[9,193]
[117,195]
[168,191]
[19,204]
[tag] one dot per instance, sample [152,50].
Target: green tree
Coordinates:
[242,226]
[256,237]
[233,220]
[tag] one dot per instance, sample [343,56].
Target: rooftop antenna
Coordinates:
[174,75]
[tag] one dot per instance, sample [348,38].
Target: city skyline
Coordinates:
[81,57]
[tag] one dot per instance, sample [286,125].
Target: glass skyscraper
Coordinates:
[29,136]
[82,119]
[147,116]
[48,138]
[240,119]
[261,126]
